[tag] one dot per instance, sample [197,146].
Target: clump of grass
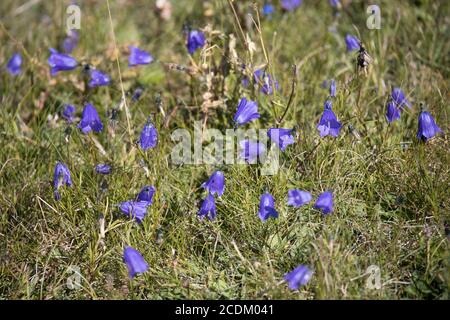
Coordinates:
[391,192]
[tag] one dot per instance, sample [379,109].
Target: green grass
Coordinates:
[391,202]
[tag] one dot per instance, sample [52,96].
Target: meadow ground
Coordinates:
[391,191]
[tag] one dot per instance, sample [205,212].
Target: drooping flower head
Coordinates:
[290,5]
[392,112]
[298,198]
[351,42]
[332,88]
[103,168]
[246,112]
[61,177]
[135,261]
[90,120]
[68,112]
[267,207]
[215,183]
[300,276]
[325,202]
[149,137]
[267,83]
[134,209]
[328,124]
[251,150]
[208,208]
[281,137]
[146,194]
[195,40]
[427,127]
[399,98]
[60,62]
[70,42]
[14,64]
[98,79]
[138,56]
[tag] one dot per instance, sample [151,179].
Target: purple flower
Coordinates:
[281,137]
[138,56]
[298,198]
[290,5]
[134,209]
[137,94]
[149,137]
[61,177]
[208,208]
[250,150]
[325,202]
[134,261]
[195,40]
[68,112]
[427,128]
[392,113]
[60,62]
[215,183]
[268,9]
[146,194]
[267,207]
[398,97]
[98,79]
[335,3]
[328,124]
[300,276]
[14,64]
[90,120]
[266,82]
[103,168]
[70,42]
[351,42]
[333,88]
[246,112]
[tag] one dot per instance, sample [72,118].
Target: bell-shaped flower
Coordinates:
[135,261]
[392,112]
[60,62]
[325,202]
[328,124]
[290,5]
[70,42]
[281,137]
[61,177]
[208,208]
[215,183]
[195,40]
[68,112]
[90,120]
[265,81]
[399,98]
[98,79]
[246,112]
[298,198]
[300,276]
[427,128]
[351,42]
[146,194]
[149,137]
[14,64]
[134,209]
[267,207]
[138,56]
